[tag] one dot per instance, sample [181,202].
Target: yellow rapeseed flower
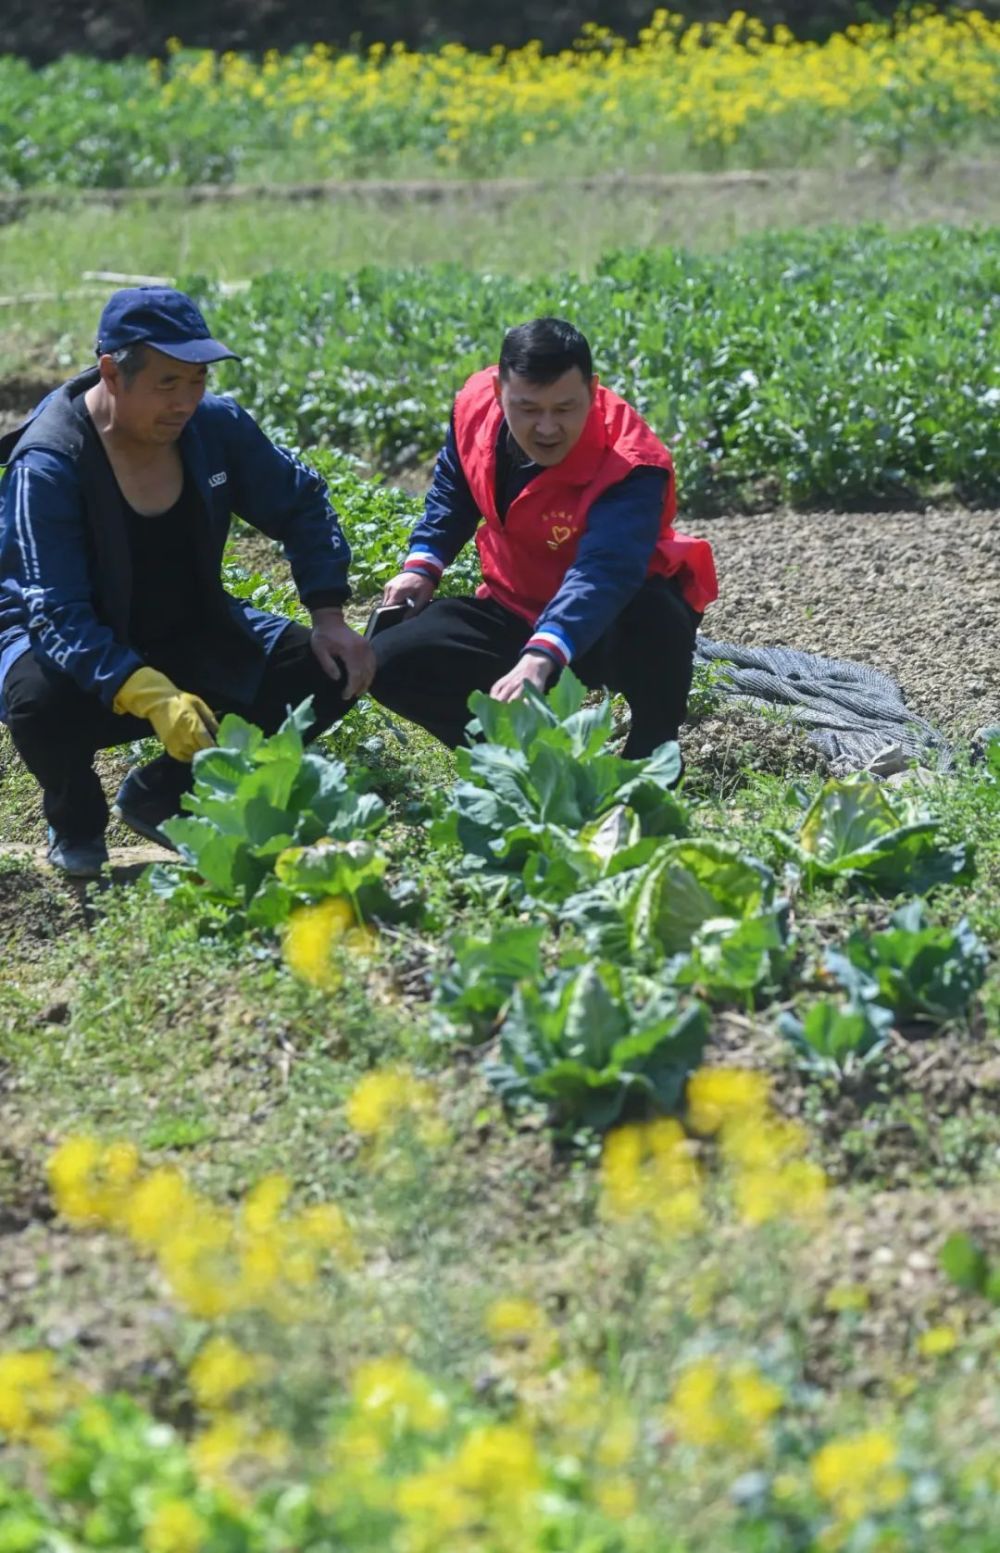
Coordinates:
[716,1096]
[30,1393]
[310,936]
[857,1475]
[324,1227]
[389,1098]
[216,1449]
[648,1169]
[794,1192]
[937,1341]
[394,1397]
[156,1205]
[219,1371]
[926,78]
[175,1527]
[521,1323]
[488,1490]
[847,1297]
[264,1202]
[728,1407]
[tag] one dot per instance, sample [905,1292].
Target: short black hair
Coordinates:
[543,350]
[131,359]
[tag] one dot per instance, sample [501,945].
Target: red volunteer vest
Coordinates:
[525,558]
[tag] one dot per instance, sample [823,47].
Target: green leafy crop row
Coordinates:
[637,924]
[843,367]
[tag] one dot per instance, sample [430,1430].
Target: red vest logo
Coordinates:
[562,527]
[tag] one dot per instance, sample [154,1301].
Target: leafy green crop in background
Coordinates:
[826,366]
[483,974]
[838,1036]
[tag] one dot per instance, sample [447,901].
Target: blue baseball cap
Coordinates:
[165,319]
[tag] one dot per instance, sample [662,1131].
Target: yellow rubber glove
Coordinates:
[183,723]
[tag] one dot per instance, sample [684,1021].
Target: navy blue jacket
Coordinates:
[613,558]
[65,566]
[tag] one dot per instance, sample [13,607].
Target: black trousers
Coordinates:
[429,666]
[57,728]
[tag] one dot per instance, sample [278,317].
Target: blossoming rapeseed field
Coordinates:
[680,95]
[381,1454]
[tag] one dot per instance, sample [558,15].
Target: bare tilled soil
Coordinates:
[915,594]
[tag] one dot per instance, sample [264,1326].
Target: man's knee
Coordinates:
[42,703]
[659,612]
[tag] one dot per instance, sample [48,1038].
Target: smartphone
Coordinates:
[387,615]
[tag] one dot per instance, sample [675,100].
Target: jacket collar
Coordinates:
[55,424]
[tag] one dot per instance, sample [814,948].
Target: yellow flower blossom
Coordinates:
[263,1203]
[521,1324]
[393,1397]
[30,1392]
[794,1191]
[492,1484]
[937,1341]
[857,1475]
[220,1370]
[310,935]
[728,1407]
[716,1096]
[707,87]
[649,1169]
[847,1297]
[216,1449]
[156,1205]
[389,1098]
[175,1527]
[324,1227]
[216,1261]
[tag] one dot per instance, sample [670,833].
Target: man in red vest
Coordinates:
[571,499]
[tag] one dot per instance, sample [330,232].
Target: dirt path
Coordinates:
[395,191]
[916,595]
[490,191]
[118,857]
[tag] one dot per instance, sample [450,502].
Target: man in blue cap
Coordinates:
[114,513]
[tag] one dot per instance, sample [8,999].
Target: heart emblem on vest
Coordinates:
[560,534]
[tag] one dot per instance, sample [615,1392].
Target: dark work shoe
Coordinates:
[77,859]
[145,812]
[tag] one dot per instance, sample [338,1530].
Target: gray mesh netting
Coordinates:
[855,716]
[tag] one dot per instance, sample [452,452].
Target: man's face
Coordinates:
[160,400]
[546,420]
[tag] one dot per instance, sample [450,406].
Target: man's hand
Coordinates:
[183,722]
[333,639]
[409,585]
[533,669]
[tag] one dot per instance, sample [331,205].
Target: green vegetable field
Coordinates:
[837,367]
[528,1149]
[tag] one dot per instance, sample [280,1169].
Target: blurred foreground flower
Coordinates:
[858,1476]
[312,933]
[648,1169]
[393,1099]
[217,1261]
[728,1406]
